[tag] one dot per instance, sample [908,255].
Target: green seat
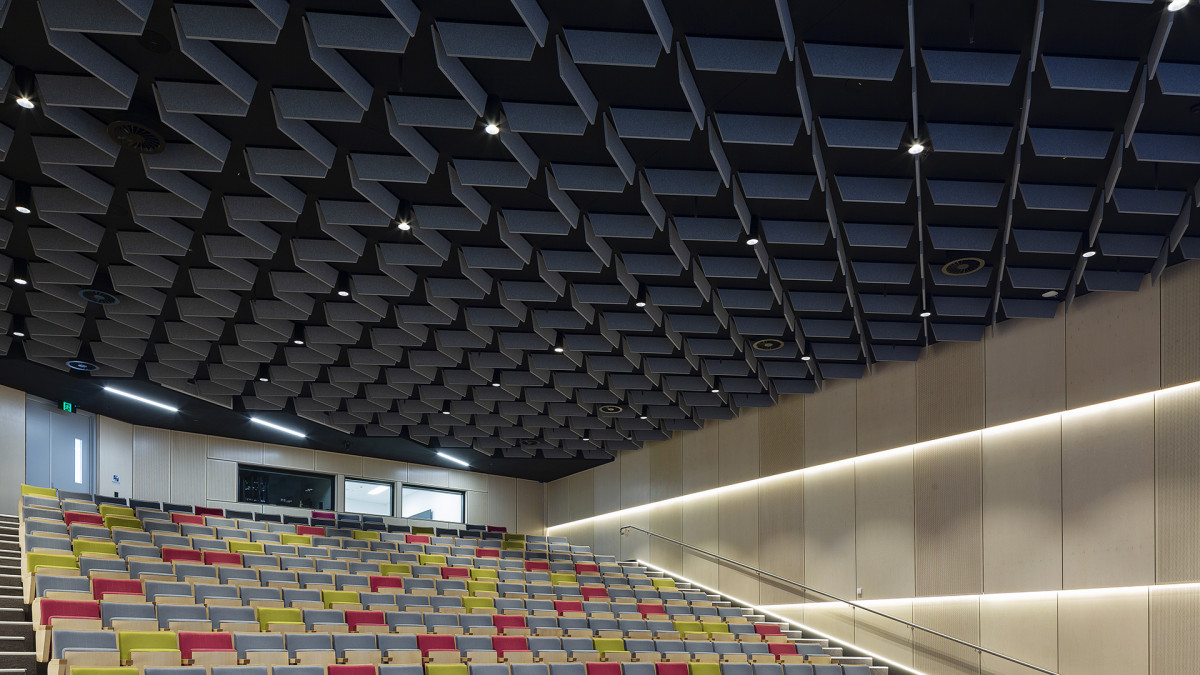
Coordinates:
[431,559]
[711,627]
[111,521]
[663,583]
[82,546]
[606,645]
[362,534]
[270,615]
[471,603]
[484,573]
[394,569]
[704,669]
[330,597]
[513,537]
[129,641]
[688,626]
[512,546]
[557,578]
[481,586]
[295,539]
[236,546]
[115,510]
[418,529]
[63,561]
[446,669]
[35,491]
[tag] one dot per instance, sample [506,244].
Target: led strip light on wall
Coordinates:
[882,454]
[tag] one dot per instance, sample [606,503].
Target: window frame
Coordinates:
[370,481]
[462,495]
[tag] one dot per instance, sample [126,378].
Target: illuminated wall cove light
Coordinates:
[139,399]
[276,427]
[452,458]
[881,454]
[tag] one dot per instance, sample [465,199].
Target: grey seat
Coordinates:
[206,591]
[488,668]
[433,619]
[226,574]
[184,571]
[219,615]
[259,560]
[473,643]
[167,588]
[642,669]
[176,670]
[291,595]
[353,642]
[390,642]
[568,669]
[239,670]
[44,584]
[307,642]
[121,536]
[169,613]
[537,645]
[88,565]
[66,641]
[323,617]
[805,669]
[33,541]
[281,576]
[246,643]
[314,578]
[250,593]
[125,610]
[540,669]
[50,527]
[403,619]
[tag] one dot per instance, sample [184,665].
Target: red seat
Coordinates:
[590,592]
[356,618]
[603,669]
[587,568]
[208,511]
[435,643]
[456,572]
[503,621]
[204,642]
[69,609]
[102,587]
[310,529]
[561,606]
[416,539]
[767,629]
[324,515]
[378,582]
[510,643]
[361,669]
[778,648]
[170,554]
[670,669]
[72,517]
[222,558]
[186,519]
[650,608]
[537,566]
[497,528]
[487,553]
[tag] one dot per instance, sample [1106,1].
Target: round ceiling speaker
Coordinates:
[82,366]
[962,267]
[99,297]
[767,344]
[610,409]
[137,136]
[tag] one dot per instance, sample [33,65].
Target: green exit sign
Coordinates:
[67,406]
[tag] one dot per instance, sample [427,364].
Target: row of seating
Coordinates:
[499,669]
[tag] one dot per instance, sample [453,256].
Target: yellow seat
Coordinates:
[481,586]
[689,626]
[236,546]
[606,645]
[431,559]
[418,529]
[111,521]
[513,536]
[101,546]
[270,615]
[330,597]
[663,583]
[115,510]
[295,539]
[445,669]
[35,491]
[512,546]
[711,627]
[562,578]
[472,603]
[62,561]
[704,669]
[484,573]
[363,534]
[394,569]
[129,641]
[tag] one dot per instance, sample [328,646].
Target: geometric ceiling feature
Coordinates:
[472,226]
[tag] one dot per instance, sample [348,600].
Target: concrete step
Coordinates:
[855,660]
[16,629]
[18,662]
[12,602]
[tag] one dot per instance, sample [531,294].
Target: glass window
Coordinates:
[429,504]
[365,496]
[257,485]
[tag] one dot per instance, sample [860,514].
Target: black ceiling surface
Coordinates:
[641,145]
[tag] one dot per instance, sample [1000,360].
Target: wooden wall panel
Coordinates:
[476,507]
[581,504]
[956,617]
[890,639]
[949,516]
[12,420]
[246,452]
[221,480]
[558,502]
[829,552]
[386,469]
[1174,625]
[737,538]
[502,502]
[635,491]
[700,522]
[949,389]
[1025,373]
[188,458]
[151,464]
[781,436]
[466,480]
[667,521]
[1024,627]
[737,447]
[1179,337]
[1022,507]
[432,476]
[1177,475]
[698,452]
[781,538]
[337,462]
[1088,630]
[887,407]
[531,507]
[883,530]
[607,498]
[830,423]
[114,456]
[288,457]
[666,468]
[1108,496]
[1120,331]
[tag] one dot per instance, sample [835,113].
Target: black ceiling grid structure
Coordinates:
[552,231]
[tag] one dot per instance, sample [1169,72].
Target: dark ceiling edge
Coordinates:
[201,417]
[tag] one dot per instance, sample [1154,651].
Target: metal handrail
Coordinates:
[764,573]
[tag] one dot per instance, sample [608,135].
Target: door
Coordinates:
[58,447]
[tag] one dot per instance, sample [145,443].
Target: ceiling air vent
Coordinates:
[962,267]
[99,297]
[84,366]
[137,136]
[767,344]
[610,409]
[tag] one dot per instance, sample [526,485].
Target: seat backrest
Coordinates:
[307,642]
[77,609]
[392,641]
[82,640]
[257,642]
[204,642]
[169,613]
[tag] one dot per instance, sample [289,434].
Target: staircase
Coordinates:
[16,632]
[839,654]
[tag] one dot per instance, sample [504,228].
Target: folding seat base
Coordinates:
[201,626]
[279,658]
[482,657]
[221,658]
[330,628]
[135,624]
[149,659]
[286,628]
[363,657]
[371,628]
[239,627]
[222,602]
[316,658]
